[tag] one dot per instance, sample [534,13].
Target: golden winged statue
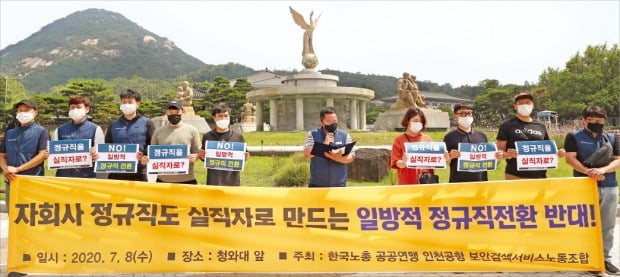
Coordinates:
[308,28]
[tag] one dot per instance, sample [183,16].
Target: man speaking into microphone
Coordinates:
[328,169]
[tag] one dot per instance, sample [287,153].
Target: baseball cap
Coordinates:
[29,103]
[174,104]
[523,95]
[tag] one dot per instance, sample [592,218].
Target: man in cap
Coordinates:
[580,147]
[177,133]
[522,127]
[22,152]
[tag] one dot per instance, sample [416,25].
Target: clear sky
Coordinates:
[456,42]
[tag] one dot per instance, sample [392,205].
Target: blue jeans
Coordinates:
[608,200]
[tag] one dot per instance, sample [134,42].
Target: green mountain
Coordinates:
[210,71]
[93,43]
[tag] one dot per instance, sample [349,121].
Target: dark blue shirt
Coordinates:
[138,130]
[23,143]
[585,144]
[83,130]
[325,172]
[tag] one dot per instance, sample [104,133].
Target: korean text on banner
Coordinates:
[225,155]
[536,155]
[425,154]
[72,225]
[119,158]
[168,159]
[476,157]
[73,153]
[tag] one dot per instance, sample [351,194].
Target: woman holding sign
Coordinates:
[414,121]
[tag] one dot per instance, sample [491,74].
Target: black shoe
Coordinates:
[611,268]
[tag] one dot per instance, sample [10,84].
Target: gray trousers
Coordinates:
[608,200]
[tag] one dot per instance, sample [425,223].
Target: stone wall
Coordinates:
[370,165]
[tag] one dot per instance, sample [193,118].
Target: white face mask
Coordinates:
[524,110]
[77,114]
[25,117]
[466,121]
[415,126]
[128,108]
[222,123]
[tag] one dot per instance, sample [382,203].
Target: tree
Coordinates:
[103,101]
[589,79]
[150,108]
[469,92]
[373,113]
[448,109]
[202,107]
[242,86]
[495,104]
[149,88]
[14,92]
[53,109]
[488,83]
[220,93]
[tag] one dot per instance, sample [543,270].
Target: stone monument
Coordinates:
[410,97]
[249,113]
[296,104]
[184,95]
[248,118]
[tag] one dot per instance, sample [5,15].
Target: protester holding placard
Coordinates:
[415,122]
[79,128]
[464,133]
[222,132]
[595,153]
[177,133]
[22,151]
[131,128]
[522,127]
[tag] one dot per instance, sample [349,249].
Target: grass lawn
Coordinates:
[260,169]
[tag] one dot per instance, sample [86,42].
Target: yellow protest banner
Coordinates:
[65,225]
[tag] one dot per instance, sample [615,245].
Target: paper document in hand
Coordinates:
[319,149]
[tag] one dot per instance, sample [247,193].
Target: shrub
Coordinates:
[293,174]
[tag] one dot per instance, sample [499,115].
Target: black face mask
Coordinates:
[331,127]
[596,127]
[174,119]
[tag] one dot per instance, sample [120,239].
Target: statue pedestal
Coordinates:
[435,119]
[249,119]
[188,111]
[250,127]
